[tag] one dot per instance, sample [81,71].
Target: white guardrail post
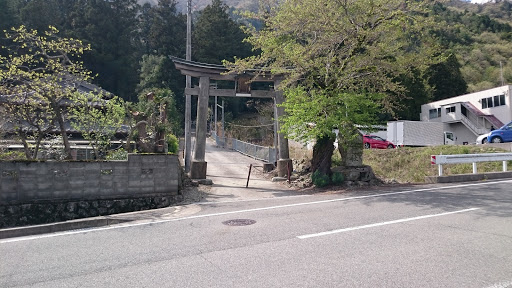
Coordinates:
[440,160]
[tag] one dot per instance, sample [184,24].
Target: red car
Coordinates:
[372,141]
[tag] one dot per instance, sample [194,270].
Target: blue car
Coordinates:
[504,134]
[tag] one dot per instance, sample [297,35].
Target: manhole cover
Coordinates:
[239,222]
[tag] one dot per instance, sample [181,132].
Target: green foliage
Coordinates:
[153,117]
[217,37]
[172,144]
[12,155]
[396,163]
[97,118]
[337,178]
[480,37]
[40,74]
[118,154]
[328,80]
[320,179]
[163,34]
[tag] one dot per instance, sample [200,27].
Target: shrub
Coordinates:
[12,155]
[338,178]
[172,144]
[119,154]
[320,179]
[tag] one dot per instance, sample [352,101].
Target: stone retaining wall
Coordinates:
[44,192]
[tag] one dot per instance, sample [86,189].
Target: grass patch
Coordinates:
[411,165]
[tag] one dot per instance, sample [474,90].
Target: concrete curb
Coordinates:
[58,227]
[468,177]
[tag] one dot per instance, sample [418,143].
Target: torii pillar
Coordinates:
[198,165]
[284,163]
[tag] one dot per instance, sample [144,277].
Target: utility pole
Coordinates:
[188,101]
[216,117]
[501,74]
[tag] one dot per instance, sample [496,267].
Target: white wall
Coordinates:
[462,133]
[503,113]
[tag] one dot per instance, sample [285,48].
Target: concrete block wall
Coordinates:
[140,176]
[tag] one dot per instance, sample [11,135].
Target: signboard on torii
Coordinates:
[205,73]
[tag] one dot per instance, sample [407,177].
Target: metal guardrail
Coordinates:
[263,153]
[470,158]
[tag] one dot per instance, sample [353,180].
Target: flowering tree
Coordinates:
[37,79]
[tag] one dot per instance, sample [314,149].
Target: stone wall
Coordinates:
[44,192]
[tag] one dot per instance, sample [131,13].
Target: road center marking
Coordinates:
[382,224]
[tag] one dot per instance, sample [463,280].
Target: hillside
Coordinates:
[411,165]
[200,4]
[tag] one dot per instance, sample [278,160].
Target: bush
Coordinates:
[320,179]
[12,155]
[119,154]
[338,178]
[172,144]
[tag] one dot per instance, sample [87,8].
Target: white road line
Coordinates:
[382,224]
[26,238]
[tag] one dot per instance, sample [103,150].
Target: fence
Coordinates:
[470,158]
[263,153]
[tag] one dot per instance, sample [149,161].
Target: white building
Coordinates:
[472,114]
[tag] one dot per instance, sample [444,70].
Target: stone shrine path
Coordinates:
[229,169]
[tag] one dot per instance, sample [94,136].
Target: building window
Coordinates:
[450,109]
[489,102]
[495,101]
[434,113]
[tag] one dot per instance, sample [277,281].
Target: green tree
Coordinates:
[167,29]
[341,59]
[8,14]
[110,27]
[446,79]
[40,74]
[97,118]
[217,37]
[152,119]
[163,34]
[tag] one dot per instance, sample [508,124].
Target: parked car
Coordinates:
[372,141]
[482,139]
[504,134]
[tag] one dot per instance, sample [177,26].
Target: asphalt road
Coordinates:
[425,236]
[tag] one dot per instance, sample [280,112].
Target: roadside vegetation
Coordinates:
[411,165]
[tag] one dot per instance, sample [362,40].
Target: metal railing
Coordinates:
[471,125]
[263,153]
[470,158]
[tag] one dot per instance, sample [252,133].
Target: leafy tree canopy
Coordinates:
[39,75]
[217,37]
[341,56]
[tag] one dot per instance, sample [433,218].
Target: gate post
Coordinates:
[284,161]
[198,167]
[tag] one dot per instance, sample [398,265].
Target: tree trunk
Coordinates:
[65,140]
[26,148]
[322,155]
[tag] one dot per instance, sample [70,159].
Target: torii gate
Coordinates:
[205,72]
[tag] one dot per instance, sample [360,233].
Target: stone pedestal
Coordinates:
[198,170]
[282,167]
[267,167]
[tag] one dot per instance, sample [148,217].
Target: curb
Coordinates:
[468,177]
[58,227]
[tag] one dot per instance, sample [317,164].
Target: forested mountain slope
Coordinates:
[481,38]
